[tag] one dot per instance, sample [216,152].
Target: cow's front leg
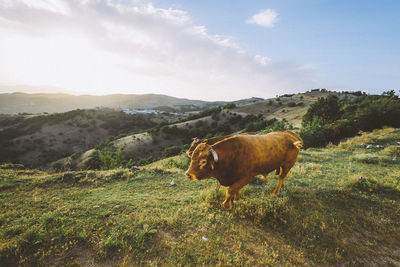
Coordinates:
[233,191]
[228,198]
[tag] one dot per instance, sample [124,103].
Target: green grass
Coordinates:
[334,209]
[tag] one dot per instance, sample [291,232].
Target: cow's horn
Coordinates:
[214,153]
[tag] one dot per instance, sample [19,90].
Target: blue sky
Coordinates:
[353,44]
[211,50]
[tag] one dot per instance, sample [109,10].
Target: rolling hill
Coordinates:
[13,103]
[35,140]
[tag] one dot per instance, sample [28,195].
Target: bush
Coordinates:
[230,106]
[145,161]
[326,110]
[108,159]
[171,151]
[180,163]
[208,112]
[315,135]
[256,126]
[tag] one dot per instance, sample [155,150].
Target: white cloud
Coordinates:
[102,47]
[266,18]
[262,60]
[56,6]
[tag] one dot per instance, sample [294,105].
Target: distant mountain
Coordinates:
[13,103]
[38,103]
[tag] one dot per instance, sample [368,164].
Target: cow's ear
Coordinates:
[214,154]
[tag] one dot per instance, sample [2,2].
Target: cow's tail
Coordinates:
[298,144]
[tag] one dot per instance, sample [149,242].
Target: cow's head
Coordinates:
[203,162]
[196,141]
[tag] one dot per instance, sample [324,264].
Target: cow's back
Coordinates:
[249,155]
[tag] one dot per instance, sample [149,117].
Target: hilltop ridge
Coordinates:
[14,103]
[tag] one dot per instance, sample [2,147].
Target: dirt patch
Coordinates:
[81,256]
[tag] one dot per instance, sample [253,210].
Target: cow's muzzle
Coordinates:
[188,175]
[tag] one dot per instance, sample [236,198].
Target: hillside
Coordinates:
[151,144]
[289,107]
[340,206]
[36,140]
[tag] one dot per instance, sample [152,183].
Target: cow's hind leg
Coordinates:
[282,175]
[237,196]
[278,172]
[233,191]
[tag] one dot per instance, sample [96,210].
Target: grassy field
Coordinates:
[341,205]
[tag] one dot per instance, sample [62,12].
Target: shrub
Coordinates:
[171,151]
[108,159]
[230,106]
[315,134]
[180,163]
[324,110]
[145,161]
[267,125]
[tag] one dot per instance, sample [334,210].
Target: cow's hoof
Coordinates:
[237,196]
[227,204]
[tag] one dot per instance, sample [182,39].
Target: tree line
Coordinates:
[331,119]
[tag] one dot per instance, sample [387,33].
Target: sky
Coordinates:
[209,50]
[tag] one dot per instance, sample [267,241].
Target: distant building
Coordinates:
[147,111]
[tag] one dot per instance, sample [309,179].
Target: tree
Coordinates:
[326,110]
[230,106]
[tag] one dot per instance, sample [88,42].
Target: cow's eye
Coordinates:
[203,162]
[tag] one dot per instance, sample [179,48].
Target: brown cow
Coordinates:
[235,160]
[210,141]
